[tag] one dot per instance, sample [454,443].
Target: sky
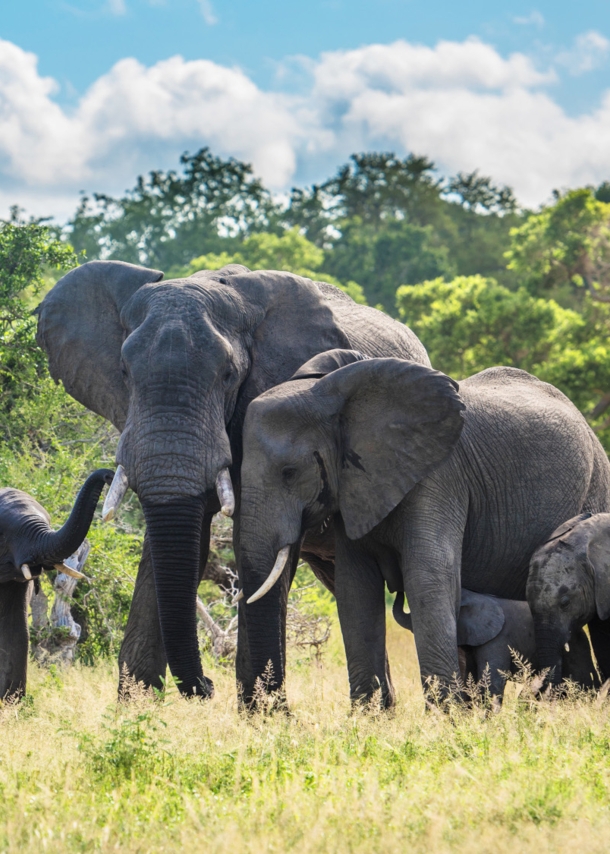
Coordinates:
[95,92]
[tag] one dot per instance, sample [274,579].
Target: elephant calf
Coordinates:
[569,587]
[28,546]
[489,629]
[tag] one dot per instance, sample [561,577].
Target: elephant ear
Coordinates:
[397,421]
[598,554]
[79,327]
[480,620]
[567,527]
[326,363]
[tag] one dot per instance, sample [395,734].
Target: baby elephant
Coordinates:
[28,546]
[569,587]
[488,628]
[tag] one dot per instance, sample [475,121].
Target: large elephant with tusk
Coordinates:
[174,366]
[28,546]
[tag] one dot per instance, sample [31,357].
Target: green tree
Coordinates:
[169,218]
[564,247]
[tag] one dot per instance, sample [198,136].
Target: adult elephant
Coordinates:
[429,489]
[28,546]
[173,365]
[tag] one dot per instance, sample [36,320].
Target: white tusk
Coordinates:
[278,568]
[116,494]
[25,569]
[68,570]
[224,489]
[238,597]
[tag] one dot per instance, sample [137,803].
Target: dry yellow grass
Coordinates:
[78,774]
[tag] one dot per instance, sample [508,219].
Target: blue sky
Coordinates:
[94,91]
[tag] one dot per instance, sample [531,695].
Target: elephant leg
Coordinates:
[432,584]
[496,655]
[599,631]
[14,638]
[142,655]
[578,662]
[359,589]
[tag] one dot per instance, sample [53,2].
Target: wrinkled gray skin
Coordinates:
[569,587]
[173,365]
[488,629]
[26,537]
[417,502]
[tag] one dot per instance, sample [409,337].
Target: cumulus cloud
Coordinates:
[117,7]
[590,51]
[462,104]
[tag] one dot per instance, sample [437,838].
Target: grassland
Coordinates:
[79,773]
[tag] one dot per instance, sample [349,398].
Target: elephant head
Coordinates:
[354,443]
[28,546]
[174,365]
[569,585]
[480,620]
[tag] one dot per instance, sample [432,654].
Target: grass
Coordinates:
[78,773]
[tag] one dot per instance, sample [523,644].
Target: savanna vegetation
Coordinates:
[482,282]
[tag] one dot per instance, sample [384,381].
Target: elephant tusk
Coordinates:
[238,597]
[224,489]
[116,494]
[278,567]
[25,569]
[68,570]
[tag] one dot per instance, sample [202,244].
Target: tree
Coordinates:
[565,247]
[169,218]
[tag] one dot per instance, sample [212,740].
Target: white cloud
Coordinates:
[590,51]
[207,10]
[117,7]
[462,104]
[535,18]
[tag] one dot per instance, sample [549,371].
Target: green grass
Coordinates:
[78,773]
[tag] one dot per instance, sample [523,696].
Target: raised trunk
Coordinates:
[56,546]
[174,531]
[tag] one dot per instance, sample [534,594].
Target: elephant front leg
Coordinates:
[432,578]
[14,639]
[359,589]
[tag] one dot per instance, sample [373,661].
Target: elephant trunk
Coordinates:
[550,642]
[174,530]
[266,622]
[56,546]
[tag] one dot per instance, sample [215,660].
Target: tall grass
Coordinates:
[79,773]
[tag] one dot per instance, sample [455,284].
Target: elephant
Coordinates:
[430,487]
[569,587]
[28,546]
[490,629]
[173,365]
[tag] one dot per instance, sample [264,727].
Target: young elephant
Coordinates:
[28,546]
[427,488]
[569,587]
[488,629]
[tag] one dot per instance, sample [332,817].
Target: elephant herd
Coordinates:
[321,427]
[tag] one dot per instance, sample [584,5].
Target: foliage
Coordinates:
[564,246]
[169,218]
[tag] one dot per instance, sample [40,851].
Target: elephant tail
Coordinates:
[399,615]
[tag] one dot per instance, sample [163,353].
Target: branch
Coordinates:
[593,293]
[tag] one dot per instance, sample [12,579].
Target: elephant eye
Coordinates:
[564,601]
[288,474]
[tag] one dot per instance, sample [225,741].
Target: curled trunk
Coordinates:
[56,546]
[174,530]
